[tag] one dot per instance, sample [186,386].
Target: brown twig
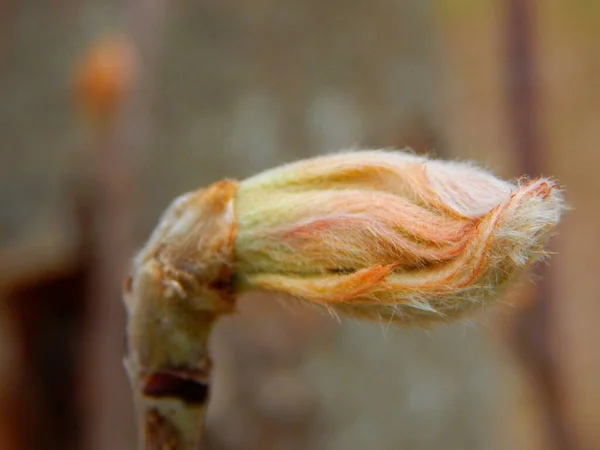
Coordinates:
[122,126]
[533,332]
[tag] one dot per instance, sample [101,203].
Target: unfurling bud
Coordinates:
[371,234]
[390,236]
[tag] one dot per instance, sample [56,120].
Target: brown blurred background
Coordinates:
[227,88]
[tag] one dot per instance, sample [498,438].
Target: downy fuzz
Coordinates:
[390,235]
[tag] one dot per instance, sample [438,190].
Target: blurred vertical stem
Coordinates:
[534,337]
[116,151]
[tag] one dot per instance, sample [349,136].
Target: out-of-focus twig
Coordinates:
[101,88]
[115,91]
[533,334]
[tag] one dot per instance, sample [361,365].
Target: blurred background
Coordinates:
[108,110]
